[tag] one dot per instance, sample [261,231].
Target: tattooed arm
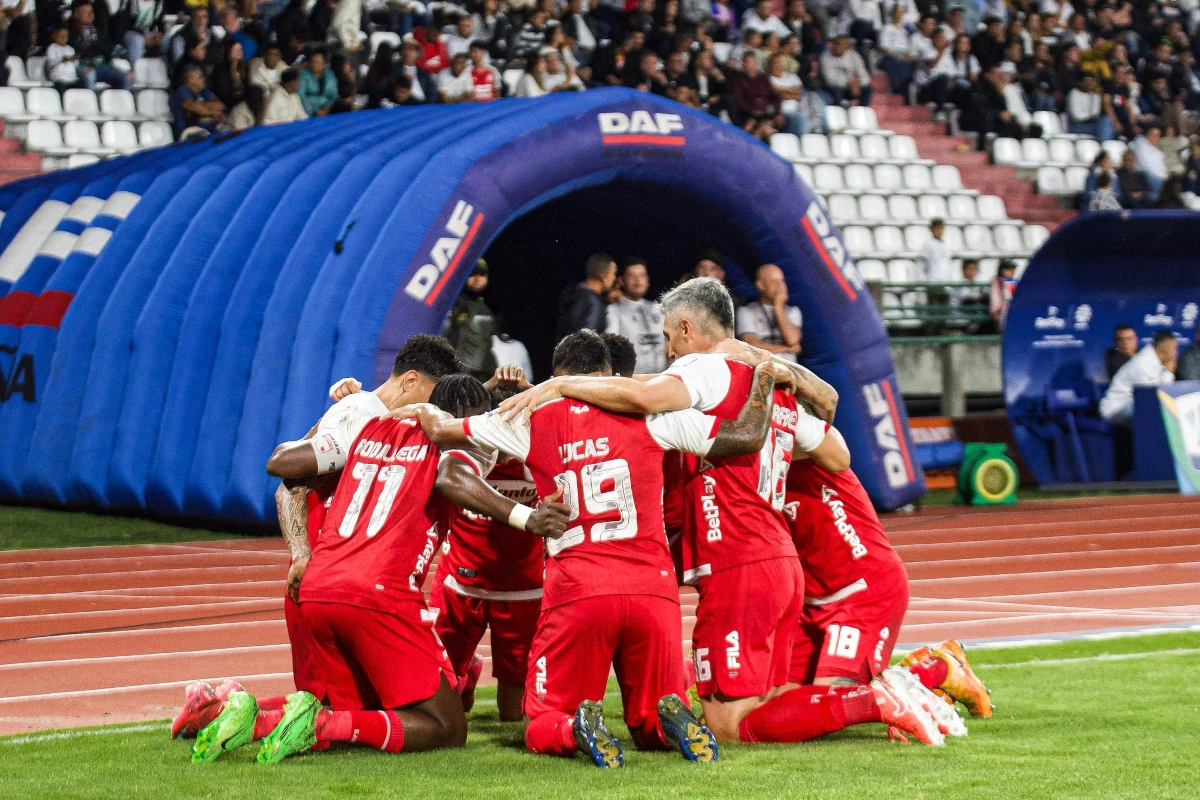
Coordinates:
[748,432]
[292,505]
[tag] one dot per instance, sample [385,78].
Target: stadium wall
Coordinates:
[206,294]
[1096,272]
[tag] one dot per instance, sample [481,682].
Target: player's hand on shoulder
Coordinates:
[344,388]
[528,400]
[737,350]
[509,374]
[549,519]
[410,411]
[785,379]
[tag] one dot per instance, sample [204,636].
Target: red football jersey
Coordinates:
[482,553]
[609,467]
[837,533]
[733,507]
[381,531]
[317,500]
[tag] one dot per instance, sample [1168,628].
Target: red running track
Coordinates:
[112,634]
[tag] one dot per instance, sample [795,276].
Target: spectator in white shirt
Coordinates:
[762,20]
[789,88]
[1150,160]
[1088,111]
[769,322]
[344,27]
[559,77]
[637,319]
[268,70]
[285,105]
[1154,365]
[455,84]
[459,36]
[933,261]
[1014,102]
[1104,198]
[896,58]
[845,74]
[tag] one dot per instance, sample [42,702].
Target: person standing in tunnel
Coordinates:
[470,325]
[637,319]
[582,305]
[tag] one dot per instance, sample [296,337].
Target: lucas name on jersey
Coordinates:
[587,448]
[857,548]
[381,451]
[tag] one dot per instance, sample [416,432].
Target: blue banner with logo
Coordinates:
[1095,273]
[1181,417]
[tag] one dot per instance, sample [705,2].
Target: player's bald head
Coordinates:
[582,353]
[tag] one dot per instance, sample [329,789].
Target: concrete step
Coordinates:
[963,160]
[21,161]
[1051,218]
[10,146]
[916,130]
[935,146]
[8,175]
[901,113]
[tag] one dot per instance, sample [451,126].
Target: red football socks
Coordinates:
[809,712]
[550,734]
[931,671]
[382,730]
[272,703]
[266,721]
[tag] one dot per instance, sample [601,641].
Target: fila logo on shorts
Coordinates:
[641,128]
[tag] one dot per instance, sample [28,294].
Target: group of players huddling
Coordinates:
[726,460]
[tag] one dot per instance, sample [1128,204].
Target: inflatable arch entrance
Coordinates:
[166,318]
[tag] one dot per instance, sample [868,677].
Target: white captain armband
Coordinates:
[519,516]
[810,432]
[328,450]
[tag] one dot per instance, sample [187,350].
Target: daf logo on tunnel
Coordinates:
[641,127]
[831,251]
[446,253]
[889,437]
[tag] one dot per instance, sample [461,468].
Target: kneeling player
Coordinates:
[610,594]
[382,669]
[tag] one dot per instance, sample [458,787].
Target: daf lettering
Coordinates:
[442,252]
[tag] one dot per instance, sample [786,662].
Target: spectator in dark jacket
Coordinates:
[755,103]
[93,48]
[232,76]
[582,305]
[1135,188]
[469,326]
[1125,347]
[1189,361]
[609,65]
[988,44]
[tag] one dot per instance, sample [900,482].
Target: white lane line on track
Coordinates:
[1056,662]
[141,687]
[134,632]
[112,660]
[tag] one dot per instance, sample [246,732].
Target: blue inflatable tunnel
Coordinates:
[168,317]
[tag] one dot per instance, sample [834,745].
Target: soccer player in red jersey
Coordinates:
[610,593]
[382,669]
[737,547]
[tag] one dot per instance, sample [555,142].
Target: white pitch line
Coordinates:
[59,735]
[1055,662]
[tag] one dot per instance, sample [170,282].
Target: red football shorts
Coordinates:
[745,626]
[638,635]
[461,622]
[852,638]
[303,674]
[371,659]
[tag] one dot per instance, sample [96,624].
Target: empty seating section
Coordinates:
[78,126]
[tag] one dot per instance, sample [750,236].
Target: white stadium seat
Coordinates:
[1050,122]
[990,207]
[844,147]
[1006,151]
[81,160]
[1034,236]
[888,177]
[511,79]
[46,103]
[917,178]
[862,118]
[1075,179]
[872,269]
[815,146]
[953,237]
[904,148]
[915,237]
[978,238]
[151,73]
[901,270]
[873,208]
[1062,151]
[784,144]
[859,178]
[1035,151]
[932,205]
[154,103]
[379,37]
[836,119]
[35,70]
[828,178]
[804,171]
[859,240]
[119,135]
[82,103]
[988,268]
[843,208]
[1116,149]
[46,136]
[119,104]
[83,135]
[873,147]
[16,73]
[962,206]
[946,178]
[153,134]
[12,105]
[1050,181]
[1008,239]
[902,207]
[1087,150]
[889,240]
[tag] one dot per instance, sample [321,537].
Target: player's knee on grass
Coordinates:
[436,723]
[724,714]
[509,698]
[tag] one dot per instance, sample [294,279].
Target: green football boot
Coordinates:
[233,728]
[295,733]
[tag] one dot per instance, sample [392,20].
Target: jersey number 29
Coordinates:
[591,485]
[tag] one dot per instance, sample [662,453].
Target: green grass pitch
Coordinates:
[1107,719]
